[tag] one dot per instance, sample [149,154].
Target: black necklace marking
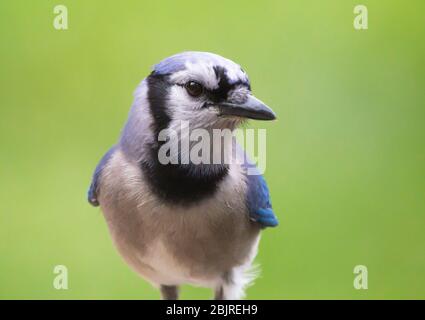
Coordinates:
[183,184]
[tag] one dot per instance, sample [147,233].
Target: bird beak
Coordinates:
[252,108]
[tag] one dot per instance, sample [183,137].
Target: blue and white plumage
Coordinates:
[186,223]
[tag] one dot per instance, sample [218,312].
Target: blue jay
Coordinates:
[186,223]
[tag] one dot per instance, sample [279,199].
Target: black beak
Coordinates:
[252,108]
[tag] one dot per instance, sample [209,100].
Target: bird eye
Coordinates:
[194,88]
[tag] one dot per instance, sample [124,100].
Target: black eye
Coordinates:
[194,88]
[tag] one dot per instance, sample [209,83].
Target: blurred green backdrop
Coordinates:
[345,159]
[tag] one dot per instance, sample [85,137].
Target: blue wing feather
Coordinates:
[94,186]
[258,197]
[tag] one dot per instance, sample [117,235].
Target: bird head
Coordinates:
[204,89]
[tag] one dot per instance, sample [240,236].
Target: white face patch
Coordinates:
[183,107]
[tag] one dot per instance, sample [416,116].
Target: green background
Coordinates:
[345,160]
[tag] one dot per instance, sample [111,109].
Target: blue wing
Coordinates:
[258,197]
[94,187]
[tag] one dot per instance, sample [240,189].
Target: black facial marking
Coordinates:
[224,85]
[158,91]
[220,94]
[179,184]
